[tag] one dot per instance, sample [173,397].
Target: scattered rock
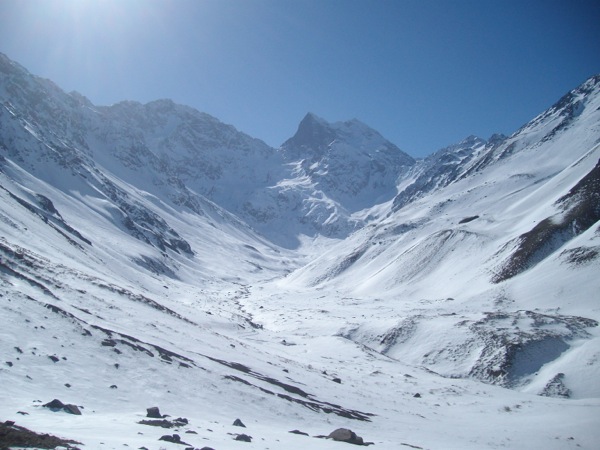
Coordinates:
[346,435]
[157,423]
[54,358]
[175,439]
[191,432]
[9,364]
[243,438]
[72,409]
[23,413]
[298,432]
[239,423]
[114,386]
[337,380]
[207,448]
[164,423]
[56,405]
[154,413]
[417,395]
[468,219]
[67,385]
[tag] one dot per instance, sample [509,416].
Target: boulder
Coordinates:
[72,409]
[154,413]
[56,405]
[239,423]
[175,439]
[346,435]
[243,438]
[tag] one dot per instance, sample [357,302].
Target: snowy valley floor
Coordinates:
[274,358]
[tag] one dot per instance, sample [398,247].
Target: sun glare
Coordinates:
[95,37]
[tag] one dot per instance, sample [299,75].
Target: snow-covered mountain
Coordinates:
[334,173]
[494,241]
[347,161]
[151,255]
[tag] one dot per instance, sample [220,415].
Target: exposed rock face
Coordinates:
[12,436]
[556,387]
[579,211]
[349,162]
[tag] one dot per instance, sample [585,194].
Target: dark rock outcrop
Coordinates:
[243,438]
[12,435]
[579,210]
[239,423]
[346,435]
[164,423]
[154,413]
[302,433]
[175,439]
[556,387]
[56,405]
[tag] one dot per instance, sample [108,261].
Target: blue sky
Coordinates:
[424,73]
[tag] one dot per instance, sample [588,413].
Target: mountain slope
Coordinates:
[178,154]
[506,230]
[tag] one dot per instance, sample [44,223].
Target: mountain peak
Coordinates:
[313,132]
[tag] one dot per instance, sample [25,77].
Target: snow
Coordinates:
[291,283]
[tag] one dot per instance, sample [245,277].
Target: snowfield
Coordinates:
[151,256]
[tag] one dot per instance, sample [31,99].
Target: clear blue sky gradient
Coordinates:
[424,73]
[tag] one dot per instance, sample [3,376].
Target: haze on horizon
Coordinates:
[425,74]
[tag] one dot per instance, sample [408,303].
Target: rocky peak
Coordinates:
[312,137]
[317,138]
[347,161]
